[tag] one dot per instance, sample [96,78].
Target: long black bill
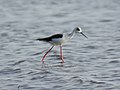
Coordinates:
[84,35]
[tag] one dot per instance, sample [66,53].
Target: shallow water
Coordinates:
[92,64]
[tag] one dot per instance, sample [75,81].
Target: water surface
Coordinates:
[92,64]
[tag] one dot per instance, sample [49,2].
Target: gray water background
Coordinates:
[92,64]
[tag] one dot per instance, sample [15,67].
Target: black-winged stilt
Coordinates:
[59,39]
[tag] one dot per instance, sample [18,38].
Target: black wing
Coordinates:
[47,39]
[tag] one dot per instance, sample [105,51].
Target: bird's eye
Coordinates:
[77,29]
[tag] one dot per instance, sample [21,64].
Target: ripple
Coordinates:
[57,86]
[91,47]
[18,62]
[10,71]
[117,39]
[5,34]
[37,77]
[110,49]
[96,82]
[39,52]
[106,20]
[76,79]
[114,61]
[26,87]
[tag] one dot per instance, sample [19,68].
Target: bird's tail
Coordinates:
[40,39]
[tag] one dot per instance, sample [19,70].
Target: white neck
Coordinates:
[70,35]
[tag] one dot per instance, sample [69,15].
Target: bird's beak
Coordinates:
[84,35]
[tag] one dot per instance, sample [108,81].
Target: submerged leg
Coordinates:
[61,55]
[46,53]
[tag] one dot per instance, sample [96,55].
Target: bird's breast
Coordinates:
[57,41]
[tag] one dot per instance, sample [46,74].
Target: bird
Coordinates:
[59,39]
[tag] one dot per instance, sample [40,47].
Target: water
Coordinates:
[92,64]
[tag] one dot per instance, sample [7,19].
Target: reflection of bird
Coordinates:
[59,39]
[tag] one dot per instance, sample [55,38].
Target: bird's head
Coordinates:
[79,30]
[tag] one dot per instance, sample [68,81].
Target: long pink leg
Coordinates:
[61,55]
[46,53]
